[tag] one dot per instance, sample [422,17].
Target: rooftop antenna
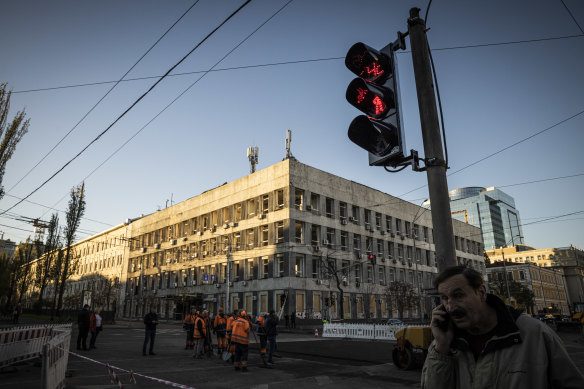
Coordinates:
[288,144]
[253,156]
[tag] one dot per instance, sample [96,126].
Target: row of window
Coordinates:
[247,209]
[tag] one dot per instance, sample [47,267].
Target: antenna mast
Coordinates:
[288,144]
[253,156]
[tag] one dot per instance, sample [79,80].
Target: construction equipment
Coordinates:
[412,347]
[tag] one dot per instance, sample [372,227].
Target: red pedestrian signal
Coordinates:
[375,93]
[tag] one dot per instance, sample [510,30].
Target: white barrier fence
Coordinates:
[361,331]
[55,358]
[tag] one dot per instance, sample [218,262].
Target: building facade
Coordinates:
[547,284]
[490,209]
[289,234]
[569,260]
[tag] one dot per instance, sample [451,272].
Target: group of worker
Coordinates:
[233,334]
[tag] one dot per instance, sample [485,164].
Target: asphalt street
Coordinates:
[304,362]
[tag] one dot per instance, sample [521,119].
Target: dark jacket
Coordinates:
[272,326]
[151,321]
[83,319]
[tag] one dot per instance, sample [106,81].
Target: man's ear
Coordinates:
[482,293]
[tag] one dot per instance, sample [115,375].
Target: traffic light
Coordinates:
[372,259]
[375,92]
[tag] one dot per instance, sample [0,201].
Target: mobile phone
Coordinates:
[443,325]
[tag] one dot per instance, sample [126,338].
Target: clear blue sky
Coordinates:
[493,96]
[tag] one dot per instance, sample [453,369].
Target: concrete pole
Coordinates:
[434,158]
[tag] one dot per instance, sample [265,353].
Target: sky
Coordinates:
[512,97]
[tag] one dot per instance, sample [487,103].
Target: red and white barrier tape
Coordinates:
[114,378]
[132,374]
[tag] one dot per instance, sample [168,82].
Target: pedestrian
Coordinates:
[271,333]
[83,320]
[16,313]
[220,329]
[293,320]
[287,319]
[230,345]
[240,337]
[189,326]
[95,327]
[199,335]
[208,345]
[480,342]
[150,321]
[260,323]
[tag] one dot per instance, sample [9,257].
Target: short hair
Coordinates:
[473,277]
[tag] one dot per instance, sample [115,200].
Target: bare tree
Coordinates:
[75,211]
[46,263]
[403,295]
[10,133]
[330,270]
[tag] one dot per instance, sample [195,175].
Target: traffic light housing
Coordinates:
[375,92]
[372,259]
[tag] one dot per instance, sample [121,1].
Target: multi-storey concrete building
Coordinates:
[547,284]
[283,229]
[569,260]
[290,233]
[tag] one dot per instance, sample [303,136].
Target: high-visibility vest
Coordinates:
[261,323]
[198,334]
[190,319]
[240,331]
[220,323]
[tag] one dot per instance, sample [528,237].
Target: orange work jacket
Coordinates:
[190,319]
[240,331]
[198,334]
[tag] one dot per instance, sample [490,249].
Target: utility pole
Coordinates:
[228,270]
[435,163]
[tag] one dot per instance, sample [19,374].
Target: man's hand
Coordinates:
[441,329]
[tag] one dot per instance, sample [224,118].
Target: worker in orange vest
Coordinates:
[240,336]
[231,346]
[261,323]
[199,335]
[220,328]
[189,326]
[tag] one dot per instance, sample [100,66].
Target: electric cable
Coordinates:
[131,106]
[179,96]
[573,18]
[287,63]
[427,11]
[101,99]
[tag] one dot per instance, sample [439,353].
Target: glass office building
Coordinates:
[490,209]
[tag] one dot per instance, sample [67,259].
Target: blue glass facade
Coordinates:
[490,209]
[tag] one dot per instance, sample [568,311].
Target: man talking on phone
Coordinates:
[479,342]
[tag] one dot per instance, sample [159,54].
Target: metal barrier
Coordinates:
[55,358]
[361,331]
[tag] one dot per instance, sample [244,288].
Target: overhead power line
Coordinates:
[572,16]
[131,106]
[292,62]
[101,99]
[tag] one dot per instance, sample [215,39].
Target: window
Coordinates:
[236,241]
[299,266]
[298,232]
[265,267]
[370,273]
[400,252]
[355,212]
[249,269]
[357,243]
[398,226]
[314,234]
[330,237]
[390,250]
[225,215]
[316,302]
[280,232]
[237,211]
[381,275]
[377,221]
[314,201]
[358,273]
[280,264]
[380,248]
[426,238]
[415,231]
[265,203]
[251,208]
[343,210]
[315,267]
[298,198]
[344,240]
[250,238]
[280,199]
[408,229]
[330,207]
[264,303]
[264,234]
[368,245]
[367,218]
